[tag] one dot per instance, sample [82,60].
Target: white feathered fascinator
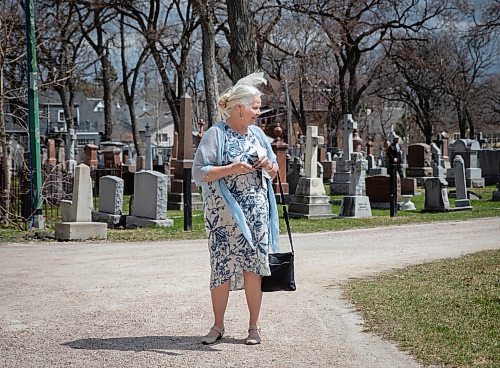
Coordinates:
[253,80]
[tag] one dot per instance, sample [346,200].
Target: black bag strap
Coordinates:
[285,212]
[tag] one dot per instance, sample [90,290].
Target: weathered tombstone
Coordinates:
[329,168]
[407,204]
[112,158]
[488,159]
[149,207]
[342,177]
[377,171]
[184,160]
[140,164]
[294,174]
[419,162]
[378,189]
[496,193]
[90,155]
[149,150]
[436,195]
[76,214]
[279,148]
[71,140]
[51,152]
[357,142]
[468,149]
[110,201]
[61,151]
[462,199]
[409,186]
[310,199]
[438,170]
[356,204]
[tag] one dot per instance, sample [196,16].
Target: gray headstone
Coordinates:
[293,175]
[111,194]
[436,195]
[150,195]
[460,184]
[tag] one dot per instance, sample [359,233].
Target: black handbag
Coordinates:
[281,264]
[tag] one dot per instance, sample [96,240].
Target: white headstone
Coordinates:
[347,130]
[358,168]
[79,209]
[312,143]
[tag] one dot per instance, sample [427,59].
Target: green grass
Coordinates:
[482,208]
[445,313]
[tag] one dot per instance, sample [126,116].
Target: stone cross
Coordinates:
[313,140]
[348,125]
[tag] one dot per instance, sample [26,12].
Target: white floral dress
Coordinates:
[230,252]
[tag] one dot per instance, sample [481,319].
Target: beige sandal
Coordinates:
[214,335]
[253,338]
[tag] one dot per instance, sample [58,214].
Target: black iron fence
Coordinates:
[57,185]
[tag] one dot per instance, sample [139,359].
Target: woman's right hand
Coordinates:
[241,168]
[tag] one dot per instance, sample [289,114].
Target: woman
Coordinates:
[234,164]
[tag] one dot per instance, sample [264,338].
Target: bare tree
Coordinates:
[416,81]
[466,58]
[12,57]
[356,29]
[95,22]
[205,11]
[167,28]
[129,79]
[243,55]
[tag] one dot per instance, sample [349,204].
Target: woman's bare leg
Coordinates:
[220,296]
[253,294]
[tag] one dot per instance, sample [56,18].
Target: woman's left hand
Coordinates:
[263,163]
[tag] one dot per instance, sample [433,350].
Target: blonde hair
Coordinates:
[244,91]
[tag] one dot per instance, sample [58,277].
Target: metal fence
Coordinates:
[57,185]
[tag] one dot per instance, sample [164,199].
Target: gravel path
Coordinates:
[147,304]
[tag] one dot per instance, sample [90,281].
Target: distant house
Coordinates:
[88,113]
[149,116]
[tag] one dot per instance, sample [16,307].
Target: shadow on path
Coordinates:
[157,344]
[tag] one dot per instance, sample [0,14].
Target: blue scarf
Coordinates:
[228,198]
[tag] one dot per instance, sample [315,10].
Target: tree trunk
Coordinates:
[6,178]
[68,117]
[208,56]
[167,90]
[462,121]
[242,40]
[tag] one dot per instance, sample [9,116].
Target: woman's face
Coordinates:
[250,113]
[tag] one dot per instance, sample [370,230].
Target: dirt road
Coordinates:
[147,304]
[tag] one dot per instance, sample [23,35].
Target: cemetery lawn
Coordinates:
[445,312]
[482,208]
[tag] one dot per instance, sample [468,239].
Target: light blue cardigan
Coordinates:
[210,152]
